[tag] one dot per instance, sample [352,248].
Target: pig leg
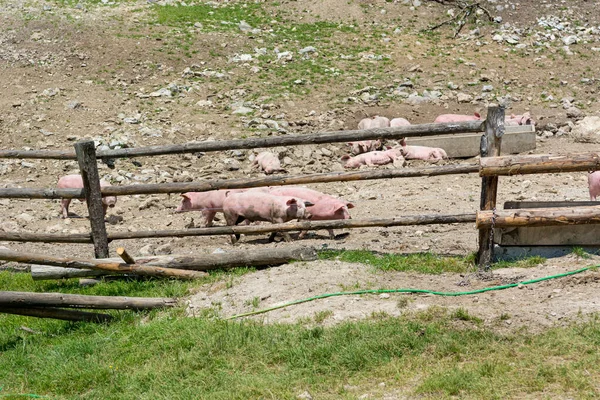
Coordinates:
[208,215]
[331,234]
[64,207]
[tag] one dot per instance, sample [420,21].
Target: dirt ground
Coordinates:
[70,71]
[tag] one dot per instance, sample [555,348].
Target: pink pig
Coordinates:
[210,203]
[399,122]
[594,184]
[268,162]
[372,158]
[374,122]
[257,206]
[365,146]
[369,145]
[457,118]
[325,207]
[76,182]
[514,120]
[421,152]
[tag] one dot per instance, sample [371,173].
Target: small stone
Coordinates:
[569,40]
[308,49]
[487,88]
[304,396]
[464,98]
[243,110]
[73,104]
[147,250]
[244,26]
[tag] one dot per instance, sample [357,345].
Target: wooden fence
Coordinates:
[490,166]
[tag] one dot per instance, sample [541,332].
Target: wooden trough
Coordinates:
[516,139]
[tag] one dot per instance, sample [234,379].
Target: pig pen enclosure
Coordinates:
[487,218]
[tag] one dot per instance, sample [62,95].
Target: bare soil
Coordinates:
[104,57]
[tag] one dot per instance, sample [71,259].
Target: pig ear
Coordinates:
[349,143]
[346,157]
[290,202]
[185,195]
[403,142]
[309,203]
[349,205]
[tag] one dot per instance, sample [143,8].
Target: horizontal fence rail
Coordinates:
[539,164]
[539,217]
[430,219]
[206,185]
[272,141]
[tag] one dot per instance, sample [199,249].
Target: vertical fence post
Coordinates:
[490,147]
[86,157]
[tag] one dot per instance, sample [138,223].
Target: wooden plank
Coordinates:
[86,157]
[272,141]
[206,185]
[539,164]
[491,143]
[509,205]
[467,145]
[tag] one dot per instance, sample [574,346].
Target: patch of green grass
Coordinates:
[426,263]
[463,315]
[528,262]
[225,18]
[166,353]
[581,253]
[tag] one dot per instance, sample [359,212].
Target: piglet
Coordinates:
[374,122]
[372,158]
[421,152]
[268,162]
[209,203]
[364,146]
[257,206]
[457,118]
[399,122]
[75,181]
[594,184]
[515,120]
[325,207]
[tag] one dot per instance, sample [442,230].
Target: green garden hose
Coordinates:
[379,291]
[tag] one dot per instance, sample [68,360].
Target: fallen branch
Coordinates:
[466,10]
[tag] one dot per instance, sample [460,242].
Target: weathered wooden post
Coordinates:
[86,157]
[490,147]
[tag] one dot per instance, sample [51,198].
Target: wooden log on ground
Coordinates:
[113,267]
[86,157]
[205,185]
[271,141]
[539,217]
[205,262]
[57,313]
[491,143]
[509,205]
[539,164]
[28,299]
